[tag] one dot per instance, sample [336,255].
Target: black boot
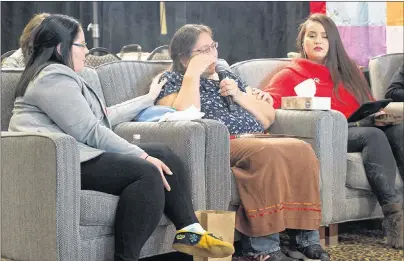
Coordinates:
[308,253]
[274,256]
[394,224]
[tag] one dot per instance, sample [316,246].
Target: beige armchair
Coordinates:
[381,70]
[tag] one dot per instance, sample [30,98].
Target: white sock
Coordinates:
[195,227]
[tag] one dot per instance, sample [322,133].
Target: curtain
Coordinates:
[248,30]
[244,30]
[15,15]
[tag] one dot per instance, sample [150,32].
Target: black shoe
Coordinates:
[279,256]
[274,256]
[309,252]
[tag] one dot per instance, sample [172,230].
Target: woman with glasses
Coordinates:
[51,97]
[277,179]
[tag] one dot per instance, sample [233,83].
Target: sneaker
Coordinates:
[315,252]
[394,224]
[274,256]
[202,245]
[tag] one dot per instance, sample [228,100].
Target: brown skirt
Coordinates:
[278,182]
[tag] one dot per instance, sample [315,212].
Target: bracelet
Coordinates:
[146,157]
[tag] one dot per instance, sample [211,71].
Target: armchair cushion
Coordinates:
[356,177]
[256,71]
[124,80]
[98,209]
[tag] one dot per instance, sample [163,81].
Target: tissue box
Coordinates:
[306,103]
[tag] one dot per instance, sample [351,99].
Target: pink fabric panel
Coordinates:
[363,42]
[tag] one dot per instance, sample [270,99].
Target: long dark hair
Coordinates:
[183,42]
[54,30]
[341,67]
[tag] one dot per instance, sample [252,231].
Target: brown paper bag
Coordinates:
[221,224]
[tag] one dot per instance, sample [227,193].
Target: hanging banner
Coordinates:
[163,21]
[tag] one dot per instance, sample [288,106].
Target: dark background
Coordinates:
[244,30]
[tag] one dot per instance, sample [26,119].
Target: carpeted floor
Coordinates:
[364,245]
[356,243]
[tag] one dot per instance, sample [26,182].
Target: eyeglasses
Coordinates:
[83,44]
[207,49]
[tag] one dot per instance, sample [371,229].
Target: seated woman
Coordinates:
[51,97]
[396,89]
[337,76]
[19,58]
[278,179]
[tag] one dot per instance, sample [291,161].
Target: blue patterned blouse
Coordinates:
[215,106]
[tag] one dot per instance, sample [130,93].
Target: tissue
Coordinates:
[306,88]
[305,99]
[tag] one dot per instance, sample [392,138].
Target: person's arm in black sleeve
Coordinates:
[396,89]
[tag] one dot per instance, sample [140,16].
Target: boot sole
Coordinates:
[214,252]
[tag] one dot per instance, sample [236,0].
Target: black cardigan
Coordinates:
[396,89]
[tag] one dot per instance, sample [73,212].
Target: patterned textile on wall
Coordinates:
[367,29]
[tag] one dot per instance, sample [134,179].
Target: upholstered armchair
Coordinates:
[345,192]
[45,213]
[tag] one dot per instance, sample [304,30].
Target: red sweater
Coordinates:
[284,82]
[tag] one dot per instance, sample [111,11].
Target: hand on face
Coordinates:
[228,87]
[203,56]
[200,62]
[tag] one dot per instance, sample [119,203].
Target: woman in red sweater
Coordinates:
[325,60]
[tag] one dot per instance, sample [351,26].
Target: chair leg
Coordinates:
[333,235]
[322,236]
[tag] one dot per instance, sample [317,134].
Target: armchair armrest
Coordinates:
[396,108]
[217,164]
[328,133]
[40,196]
[186,139]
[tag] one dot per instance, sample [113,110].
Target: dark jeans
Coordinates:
[143,198]
[381,148]
[265,245]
